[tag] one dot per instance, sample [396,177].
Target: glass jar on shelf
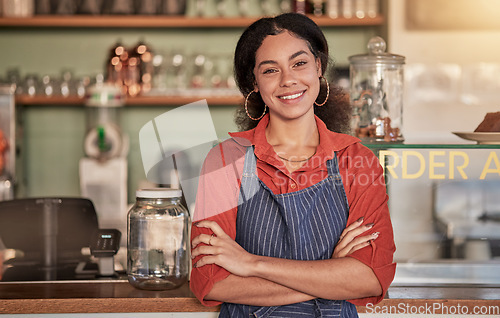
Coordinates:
[376,93]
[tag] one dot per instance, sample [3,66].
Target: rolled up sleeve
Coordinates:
[367,197]
[216,200]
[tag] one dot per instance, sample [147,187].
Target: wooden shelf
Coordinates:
[133,101]
[137,21]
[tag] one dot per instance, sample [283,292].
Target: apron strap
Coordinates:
[332,166]
[250,165]
[249,180]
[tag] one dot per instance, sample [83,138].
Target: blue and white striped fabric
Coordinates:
[301,225]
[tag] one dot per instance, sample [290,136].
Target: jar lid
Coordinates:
[377,54]
[158,193]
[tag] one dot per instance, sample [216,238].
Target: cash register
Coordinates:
[50,237]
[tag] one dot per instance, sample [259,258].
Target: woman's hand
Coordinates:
[222,250]
[350,241]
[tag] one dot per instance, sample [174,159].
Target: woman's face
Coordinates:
[287,75]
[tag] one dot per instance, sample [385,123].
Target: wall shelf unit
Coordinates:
[131,101]
[138,21]
[155,21]
[45,44]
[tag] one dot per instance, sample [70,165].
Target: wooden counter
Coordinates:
[94,297]
[121,297]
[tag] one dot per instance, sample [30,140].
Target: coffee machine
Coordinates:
[103,171]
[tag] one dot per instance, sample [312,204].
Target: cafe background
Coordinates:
[452,71]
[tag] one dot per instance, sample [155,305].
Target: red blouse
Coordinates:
[362,177]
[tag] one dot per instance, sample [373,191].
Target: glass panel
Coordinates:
[444,202]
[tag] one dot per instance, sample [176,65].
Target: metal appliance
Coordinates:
[467,212]
[50,236]
[103,172]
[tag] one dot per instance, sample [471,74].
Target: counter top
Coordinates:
[120,296]
[93,297]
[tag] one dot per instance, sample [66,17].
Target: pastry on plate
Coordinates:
[490,123]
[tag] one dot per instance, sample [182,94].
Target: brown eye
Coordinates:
[300,63]
[269,71]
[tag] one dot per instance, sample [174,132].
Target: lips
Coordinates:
[291,96]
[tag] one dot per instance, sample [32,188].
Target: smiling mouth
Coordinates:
[288,97]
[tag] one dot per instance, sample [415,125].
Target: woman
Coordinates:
[291,216]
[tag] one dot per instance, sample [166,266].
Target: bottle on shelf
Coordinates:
[139,74]
[123,7]
[147,7]
[65,7]
[301,6]
[347,8]
[372,8]
[89,7]
[332,8]
[172,7]
[117,64]
[318,7]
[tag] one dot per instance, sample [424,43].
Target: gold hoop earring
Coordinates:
[246,107]
[327,92]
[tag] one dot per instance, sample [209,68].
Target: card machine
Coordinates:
[104,244]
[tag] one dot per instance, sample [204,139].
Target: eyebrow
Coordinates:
[294,55]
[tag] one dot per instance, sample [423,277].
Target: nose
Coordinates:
[287,78]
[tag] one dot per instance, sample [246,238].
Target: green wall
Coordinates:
[51,139]
[52,145]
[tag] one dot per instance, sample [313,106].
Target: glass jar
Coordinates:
[157,242]
[376,93]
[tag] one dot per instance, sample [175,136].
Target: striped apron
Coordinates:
[301,225]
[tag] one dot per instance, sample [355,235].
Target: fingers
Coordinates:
[202,238]
[351,227]
[358,247]
[208,239]
[207,250]
[205,260]
[203,250]
[362,240]
[218,231]
[354,245]
[351,232]
[355,224]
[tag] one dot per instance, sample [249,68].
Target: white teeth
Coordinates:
[292,96]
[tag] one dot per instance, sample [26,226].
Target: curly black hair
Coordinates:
[335,113]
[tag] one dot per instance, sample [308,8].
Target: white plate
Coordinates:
[485,138]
